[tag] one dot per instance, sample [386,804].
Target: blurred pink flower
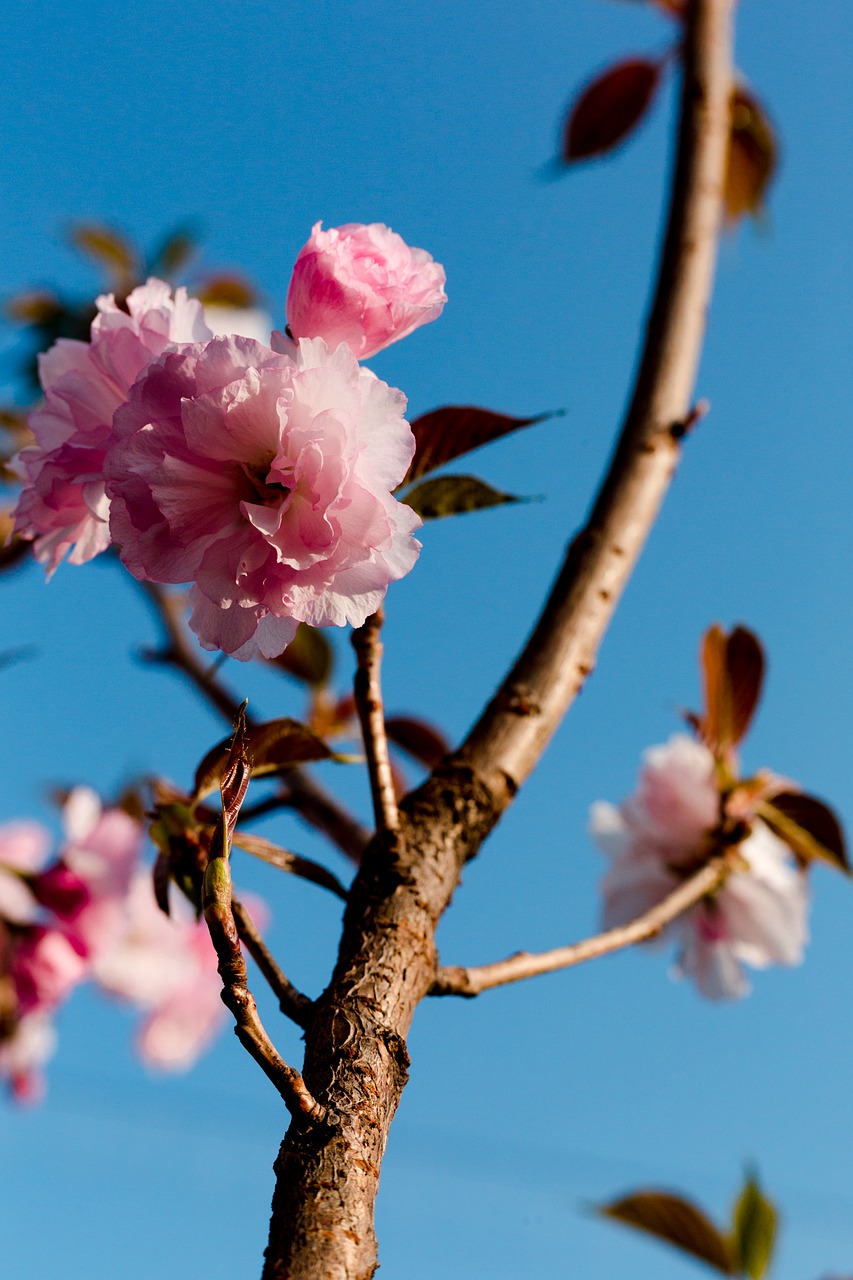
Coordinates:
[362,285]
[63,506]
[102,852]
[654,839]
[24,1053]
[165,965]
[24,847]
[46,966]
[265,479]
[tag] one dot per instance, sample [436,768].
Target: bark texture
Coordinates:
[356,1061]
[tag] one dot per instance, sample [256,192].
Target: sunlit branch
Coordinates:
[371,713]
[458,981]
[218,908]
[517,724]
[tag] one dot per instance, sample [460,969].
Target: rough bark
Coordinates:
[356,1061]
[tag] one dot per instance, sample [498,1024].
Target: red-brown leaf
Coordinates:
[272,748]
[733,671]
[422,741]
[447,433]
[677,1222]
[807,826]
[609,108]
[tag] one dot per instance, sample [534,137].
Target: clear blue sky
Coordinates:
[257,120]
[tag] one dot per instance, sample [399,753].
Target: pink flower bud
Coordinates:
[362,285]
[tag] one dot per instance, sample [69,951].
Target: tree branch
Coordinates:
[292,1002]
[218,908]
[371,713]
[355,1052]
[458,981]
[516,726]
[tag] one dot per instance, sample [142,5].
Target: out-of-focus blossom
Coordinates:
[362,285]
[24,848]
[245,322]
[102,852]
[24,1053]
[661,834]
[265,479]
[46,966]
[166,965]
[63,507]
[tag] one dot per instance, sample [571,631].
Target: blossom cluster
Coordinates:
[660,835]
[260,472]
[89,914]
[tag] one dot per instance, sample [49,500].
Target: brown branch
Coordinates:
[516,726]
[371,713]
[300,792]
[355,1052]
[458,981]
[218,908]
[292,1002]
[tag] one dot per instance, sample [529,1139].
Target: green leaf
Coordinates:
[753,1230]
[752,157]
[422,741]
[227,291]
[453,495]
[808,827]
[174,253]
[675,1221]
[309,657]
[284,860]
[108,247]
[456,429]
[271,748]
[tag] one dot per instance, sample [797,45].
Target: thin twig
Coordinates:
[371,713]
[292,1002]
[459,981]
[218,908]
[300,792]
[516,726]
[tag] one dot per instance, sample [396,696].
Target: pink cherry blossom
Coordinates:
[46,966]
[265,479]
[24,848]
[654,839]
[362,285]
[166,965]
[63,507]
[24,1053]
[102,853]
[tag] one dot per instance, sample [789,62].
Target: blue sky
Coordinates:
[527,1104]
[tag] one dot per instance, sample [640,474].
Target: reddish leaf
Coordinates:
[752,156]
[309,657]
[677,1222]
[160,877]
[422,741]
[447,433]
[609,108]
[454,495]
[807,826]
[272,748]
[733,670]
[284,860]
[39,308]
